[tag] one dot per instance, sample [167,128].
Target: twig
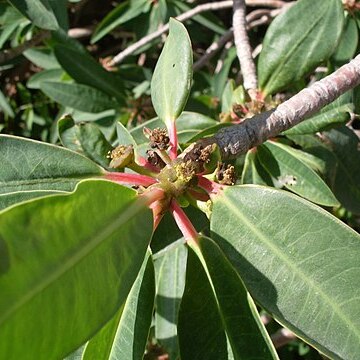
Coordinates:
[79,33]
[238,139]
[12,53]
[267,3]
[253,19]
[221,60]
[282,337]
[185,16]
[213,49]
[243,47]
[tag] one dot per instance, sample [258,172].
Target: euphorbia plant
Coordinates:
[77,268]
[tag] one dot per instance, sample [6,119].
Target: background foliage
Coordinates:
[55,61]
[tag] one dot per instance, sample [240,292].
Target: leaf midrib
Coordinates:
[36,181]
[76,258]
[285,59]
[318,185]
[279,254]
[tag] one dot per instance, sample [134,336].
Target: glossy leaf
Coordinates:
[85,70]
[50,75]
[253,172]
[124,137]
[94,144]
[219,80]
[126,334]
[85,138]
[170,282]
[38,11]
[119,15]
[335,113]
[69,133]
[59,8]
[348,43]
[346,181]
[31,165]
[302,266]
[232,95]
[246,333]
[79,97]
[5,106]
[297,41]
[210,131]
[294,174]
[171,82]
[42,57]
[226,98]
[75,275]
[9,199]
[200,329]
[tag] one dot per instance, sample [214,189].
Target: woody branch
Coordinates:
[238,139]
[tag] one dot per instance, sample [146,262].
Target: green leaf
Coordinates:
[85,138]
[94,144]
[61,37]
[209,131]
[297,41]
[38,11]
[31,165]
[125,335]
[298,261]
[50,75]
[59,8]
[346,182]
[124,137]
[85,70]
[200,329]
[219,80]
[5,106]
[226,97]
[253,172]
[335,113]
[42,57]
[348,43]
[7,31]
[170,269]
[171,82]
[232,95]
[294,174]
[119,15]
[74,263]
[10,199]
[69,133]
[245,332]
[77,96]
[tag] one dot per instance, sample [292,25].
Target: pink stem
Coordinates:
[158,212]
[130,179]
[211,187]
[183,222]
[153,199]
[173,140]
[152,196]
[198,195]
